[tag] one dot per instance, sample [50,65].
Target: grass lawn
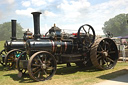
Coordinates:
[65,75]
[2,45]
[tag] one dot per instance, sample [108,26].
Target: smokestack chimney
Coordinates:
[36,18]
[13,22]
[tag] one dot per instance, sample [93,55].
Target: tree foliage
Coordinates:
[118,25]
[6,32]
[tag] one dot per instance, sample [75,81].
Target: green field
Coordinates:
[1,45]
[65,75]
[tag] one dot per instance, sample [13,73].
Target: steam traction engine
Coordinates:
[13,47]
[43,54]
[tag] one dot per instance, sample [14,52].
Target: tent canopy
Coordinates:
[124,37]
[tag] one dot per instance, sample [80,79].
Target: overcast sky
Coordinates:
[67,14]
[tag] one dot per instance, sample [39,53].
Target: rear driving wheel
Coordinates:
[41,66]
[104,54]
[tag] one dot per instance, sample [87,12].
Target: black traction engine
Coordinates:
[43,54]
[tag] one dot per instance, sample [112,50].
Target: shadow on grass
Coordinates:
[25,78]
[73,69]
[2,68]
[62,70]
[114,76]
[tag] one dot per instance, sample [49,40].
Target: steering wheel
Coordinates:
[86,35]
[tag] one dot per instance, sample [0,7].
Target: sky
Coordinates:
[66,14]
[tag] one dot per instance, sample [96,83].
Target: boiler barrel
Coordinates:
[49,45]
[9,45]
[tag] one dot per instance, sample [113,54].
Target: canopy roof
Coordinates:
[124,37]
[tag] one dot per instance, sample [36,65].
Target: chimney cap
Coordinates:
[13,20]
[36,13]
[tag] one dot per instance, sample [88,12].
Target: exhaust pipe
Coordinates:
[13,22]
[36,18]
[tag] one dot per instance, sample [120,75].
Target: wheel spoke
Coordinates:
[99,57]
[40,60]
[50,68]
[84,30]
[36,65]
[45,73]
[110,59]
[106,63]
[45,59]
[37,71]
[101,48]
[14,54]
[34,69]
[88,30]
[100,62]
[105,47]
[10,60]
[11,57]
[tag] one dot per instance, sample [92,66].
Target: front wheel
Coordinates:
[3,53]
[41,66]
[11,58]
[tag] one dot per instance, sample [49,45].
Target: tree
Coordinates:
[5,31]
[118,25]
